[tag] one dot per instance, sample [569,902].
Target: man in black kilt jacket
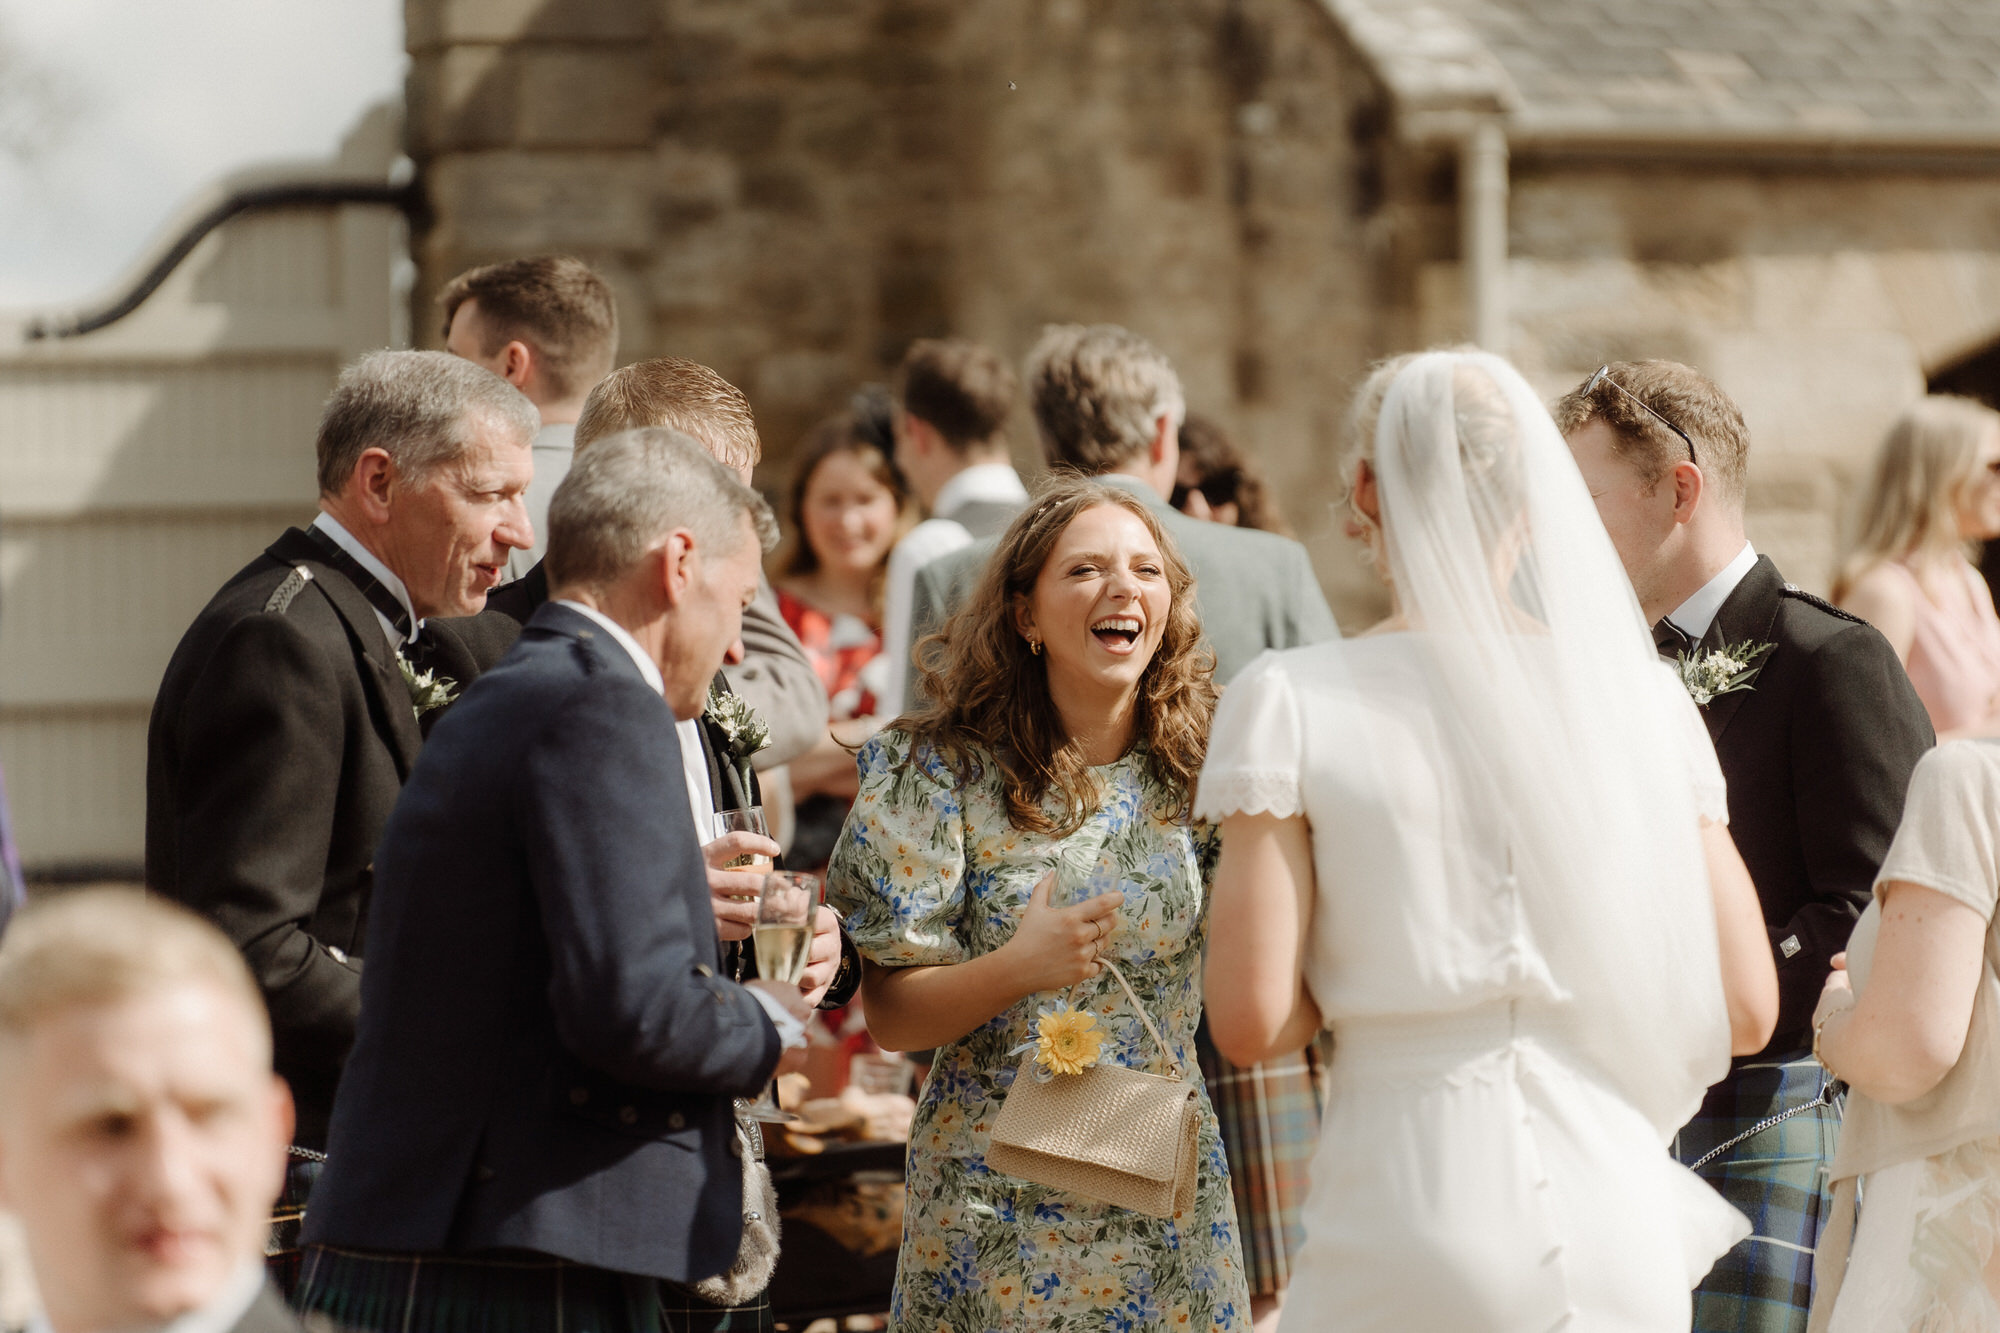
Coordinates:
[1817,728]
[288,718]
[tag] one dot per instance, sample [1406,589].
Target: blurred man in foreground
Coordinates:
[142,1132]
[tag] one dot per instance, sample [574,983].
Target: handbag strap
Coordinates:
[1144,1017]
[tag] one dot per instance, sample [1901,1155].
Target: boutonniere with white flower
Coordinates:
[427,689]
[746,732]
[1729,669]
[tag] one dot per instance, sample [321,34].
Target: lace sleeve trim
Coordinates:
[1247,792]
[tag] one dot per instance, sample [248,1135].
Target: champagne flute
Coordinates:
[783,940]
[747,819]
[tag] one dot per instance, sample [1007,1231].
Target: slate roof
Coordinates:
[1908,70]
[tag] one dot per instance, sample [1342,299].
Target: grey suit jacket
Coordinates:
[1254,590]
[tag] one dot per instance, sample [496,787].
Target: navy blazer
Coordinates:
[546,1056]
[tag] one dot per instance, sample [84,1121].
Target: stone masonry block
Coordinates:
[472,99]
[524,203]
[584,98]
[453,21]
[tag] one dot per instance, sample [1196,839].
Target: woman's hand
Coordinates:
[1056,947]
[824,961]
[1838,992]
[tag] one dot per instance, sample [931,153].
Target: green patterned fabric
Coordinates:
[929,871]
[365,1292]
[1778,1179]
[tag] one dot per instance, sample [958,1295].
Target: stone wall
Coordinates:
[1820,299]
[791,190]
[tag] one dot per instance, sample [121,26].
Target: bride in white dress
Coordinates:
[1484,844]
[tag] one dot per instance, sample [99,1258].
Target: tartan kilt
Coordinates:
[288,1218]
[1778,1179]
[503,1292]
[1269,1117]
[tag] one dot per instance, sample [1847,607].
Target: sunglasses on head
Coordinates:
[1603,376]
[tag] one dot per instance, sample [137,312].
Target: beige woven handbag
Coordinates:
[1118,1135]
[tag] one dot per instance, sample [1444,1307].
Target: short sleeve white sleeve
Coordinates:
[1256,747]
[1949,839]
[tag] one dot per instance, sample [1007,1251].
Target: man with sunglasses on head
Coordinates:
[1817,728]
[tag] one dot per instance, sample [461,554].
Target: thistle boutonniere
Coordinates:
[1067,1041]
[1725,670]
[746,731]
[427,689]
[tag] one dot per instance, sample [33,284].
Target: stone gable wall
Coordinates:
[792,190]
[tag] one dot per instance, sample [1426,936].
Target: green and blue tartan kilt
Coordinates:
[1778,1179]
[1269,1117]
[288,1218]
[515,1292]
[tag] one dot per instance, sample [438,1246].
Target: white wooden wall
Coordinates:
[142,465]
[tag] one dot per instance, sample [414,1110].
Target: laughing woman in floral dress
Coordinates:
[1054,766]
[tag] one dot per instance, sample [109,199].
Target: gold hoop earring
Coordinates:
[1035,647]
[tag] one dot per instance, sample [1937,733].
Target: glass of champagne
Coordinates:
[783,938]
[748,819]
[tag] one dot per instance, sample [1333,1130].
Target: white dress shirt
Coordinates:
[366,558]
[694,774]
[1697,613]
[220,1315]
[933,538]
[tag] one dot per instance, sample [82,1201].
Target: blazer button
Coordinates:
[628,1115]
[677,1121]
[578,1096]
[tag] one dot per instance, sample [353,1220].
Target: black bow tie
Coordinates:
[372,588]
[1671,639]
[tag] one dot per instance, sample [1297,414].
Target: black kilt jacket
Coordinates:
[279,741]
[1818,756]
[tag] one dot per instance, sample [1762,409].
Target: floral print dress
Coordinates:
[929,871]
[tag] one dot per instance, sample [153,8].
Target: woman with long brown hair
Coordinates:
[1030,820]
[1934,494]
[848,506]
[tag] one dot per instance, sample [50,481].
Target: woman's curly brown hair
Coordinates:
[989,696]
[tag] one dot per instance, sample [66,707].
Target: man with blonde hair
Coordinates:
[1818,731]
[549,327]
[775,677]
[142,1132]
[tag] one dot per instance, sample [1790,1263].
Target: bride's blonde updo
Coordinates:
[1488,437]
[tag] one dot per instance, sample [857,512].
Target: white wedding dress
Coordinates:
[1512,936]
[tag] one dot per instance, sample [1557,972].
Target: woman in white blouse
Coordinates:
[1911,1019]
[1484,844]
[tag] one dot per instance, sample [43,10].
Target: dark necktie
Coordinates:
[372,588]
[1671,639]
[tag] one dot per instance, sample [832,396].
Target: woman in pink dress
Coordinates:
[847,508]
[1935,492]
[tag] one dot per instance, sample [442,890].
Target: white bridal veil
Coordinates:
[1550,695]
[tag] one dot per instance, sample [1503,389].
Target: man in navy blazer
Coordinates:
[536,1118]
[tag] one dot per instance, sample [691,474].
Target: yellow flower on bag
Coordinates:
[1067,1040]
